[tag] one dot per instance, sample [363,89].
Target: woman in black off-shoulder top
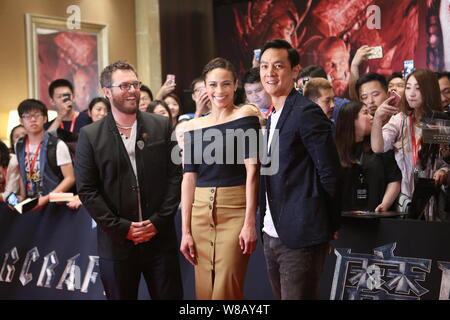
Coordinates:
[220,187]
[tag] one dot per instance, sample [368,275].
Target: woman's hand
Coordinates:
[187,247]
[440,177]
[168,87]
[385,111]
[381,208]
[361,55]
[248,239]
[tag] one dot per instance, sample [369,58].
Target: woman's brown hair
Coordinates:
[431,101]
[429,89]
[345,132]
[219,63]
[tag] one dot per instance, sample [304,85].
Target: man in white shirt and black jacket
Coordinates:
[129,185]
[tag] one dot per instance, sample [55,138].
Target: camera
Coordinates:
[66,97]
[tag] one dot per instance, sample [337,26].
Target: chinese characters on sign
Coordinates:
[383,276]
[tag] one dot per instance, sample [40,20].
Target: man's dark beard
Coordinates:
[118,103]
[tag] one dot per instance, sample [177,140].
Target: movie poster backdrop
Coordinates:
[328,33]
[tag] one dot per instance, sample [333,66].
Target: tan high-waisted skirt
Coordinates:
[217,219]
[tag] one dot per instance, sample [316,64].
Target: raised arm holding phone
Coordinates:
[168,87]
[61,94]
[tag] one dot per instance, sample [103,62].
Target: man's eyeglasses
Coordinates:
[32,116]
[200,89]
[127,86]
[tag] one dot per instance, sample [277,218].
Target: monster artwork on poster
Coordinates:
[72,56]
[328,33]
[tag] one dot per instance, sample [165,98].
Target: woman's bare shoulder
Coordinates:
[194,124]
[248,110]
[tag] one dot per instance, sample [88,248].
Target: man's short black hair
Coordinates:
[147,89]
[251,76]
[59,83]
[294,57]
[393,76]
[31,105]
[371,76]
[443,74]
[195,81]
[313,71]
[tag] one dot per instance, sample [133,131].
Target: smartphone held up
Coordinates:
[395,102]
[257,54]
[67,97]
[408,68]
[170,79]
[375,53]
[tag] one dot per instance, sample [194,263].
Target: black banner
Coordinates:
[49,254]
[52,254]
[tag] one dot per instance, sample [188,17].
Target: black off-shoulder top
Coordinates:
[217,153]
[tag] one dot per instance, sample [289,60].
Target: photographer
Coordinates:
[61,94]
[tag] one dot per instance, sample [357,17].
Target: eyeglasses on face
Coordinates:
[200,89]
[32,116]
[126,86]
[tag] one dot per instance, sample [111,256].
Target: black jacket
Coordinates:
[107,185]
[303,193]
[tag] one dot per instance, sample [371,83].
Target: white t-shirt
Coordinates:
[62,154]
[130,146]
[269,227]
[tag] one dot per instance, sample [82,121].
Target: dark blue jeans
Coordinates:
[294,273]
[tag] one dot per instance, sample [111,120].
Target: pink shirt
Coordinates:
[397,136]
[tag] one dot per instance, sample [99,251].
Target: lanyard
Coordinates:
[269,111]
[72,124]
[415,146]
[32,163]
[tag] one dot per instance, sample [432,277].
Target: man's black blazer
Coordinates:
[302,194]
[107,185]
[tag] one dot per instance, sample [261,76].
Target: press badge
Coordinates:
[362,191]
